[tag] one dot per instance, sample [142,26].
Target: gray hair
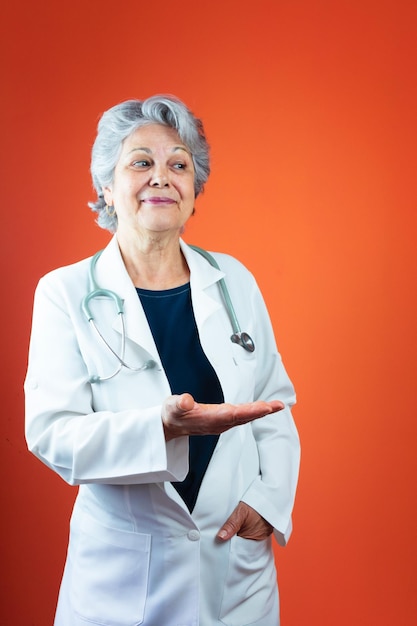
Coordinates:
[125,118]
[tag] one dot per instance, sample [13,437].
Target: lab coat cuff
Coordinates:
[282,524]
[177,458]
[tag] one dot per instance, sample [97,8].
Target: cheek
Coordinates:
[189,192]
[127,191]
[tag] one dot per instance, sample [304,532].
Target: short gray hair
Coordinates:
[125,118]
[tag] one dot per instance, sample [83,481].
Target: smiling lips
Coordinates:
[159,200]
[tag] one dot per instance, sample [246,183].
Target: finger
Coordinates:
[233,524]
[226,532]
[185,402]
[242,413]
[277,405]
[259,408]
[272,406]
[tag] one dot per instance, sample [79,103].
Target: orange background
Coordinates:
[310,108]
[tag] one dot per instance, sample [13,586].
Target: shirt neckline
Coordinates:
[163,293]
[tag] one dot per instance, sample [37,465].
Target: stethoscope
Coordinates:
[239,337]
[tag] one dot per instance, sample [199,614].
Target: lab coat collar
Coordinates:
[111,274]
[202,276]
[202,273]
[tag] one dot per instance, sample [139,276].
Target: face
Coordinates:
[153,186]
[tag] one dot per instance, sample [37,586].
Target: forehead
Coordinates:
[153,137]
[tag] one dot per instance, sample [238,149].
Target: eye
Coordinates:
[141,163]
[179,166]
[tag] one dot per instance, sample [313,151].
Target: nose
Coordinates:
[159,177]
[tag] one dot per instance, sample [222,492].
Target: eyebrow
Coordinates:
[149,151]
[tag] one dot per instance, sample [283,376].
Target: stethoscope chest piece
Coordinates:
[244,340]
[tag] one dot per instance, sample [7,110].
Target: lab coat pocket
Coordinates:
[110,575]
[251,586]
[244,373]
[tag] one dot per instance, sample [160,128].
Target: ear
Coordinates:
[108,195]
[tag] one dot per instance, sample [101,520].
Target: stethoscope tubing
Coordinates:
[225,292]
[238,337]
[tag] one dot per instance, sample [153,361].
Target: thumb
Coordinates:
[185,402]
[232,525]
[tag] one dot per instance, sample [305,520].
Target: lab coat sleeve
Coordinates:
[63,429]
[272,493]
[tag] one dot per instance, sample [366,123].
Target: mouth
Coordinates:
[158,200]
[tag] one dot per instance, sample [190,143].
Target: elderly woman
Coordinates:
[176,429]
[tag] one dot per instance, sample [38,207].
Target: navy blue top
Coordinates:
[171,319]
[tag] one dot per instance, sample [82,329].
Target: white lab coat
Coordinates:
[136,555]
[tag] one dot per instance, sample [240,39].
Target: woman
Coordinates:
[187,459]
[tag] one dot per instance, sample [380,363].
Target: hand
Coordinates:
[181,415]
[245,522]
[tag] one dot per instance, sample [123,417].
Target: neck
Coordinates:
[156,263]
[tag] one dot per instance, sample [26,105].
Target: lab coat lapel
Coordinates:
[111,274]
[213,321]
[203,275]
